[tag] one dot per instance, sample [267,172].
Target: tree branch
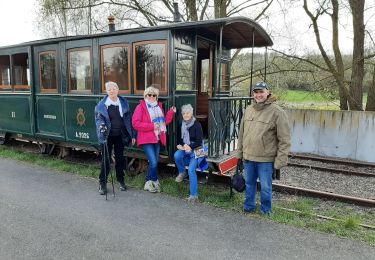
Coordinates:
[302,59]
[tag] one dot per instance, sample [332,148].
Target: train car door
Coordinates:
[186,91]
[48,101]
[205,62]
[184,76]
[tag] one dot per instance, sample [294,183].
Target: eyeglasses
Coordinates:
[151,95]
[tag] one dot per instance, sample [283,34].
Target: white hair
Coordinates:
[151,90]
[187,109]
[110,84]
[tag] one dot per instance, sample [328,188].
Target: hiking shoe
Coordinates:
[149,186]
[249,211]
[181,176]
[122,186]
[192,198]
[267,214]
[157,186]
[102,188]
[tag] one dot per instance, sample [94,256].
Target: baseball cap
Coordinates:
[260,86]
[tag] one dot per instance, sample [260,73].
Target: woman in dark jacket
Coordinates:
[191,141]
[113,127]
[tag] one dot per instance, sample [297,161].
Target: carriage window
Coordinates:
[184,72]
[115,67]
[21,72]
[205,75]
[5,73]
[47,71]
[80,79]
[150,65]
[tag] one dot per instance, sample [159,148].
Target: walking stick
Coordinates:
[107,157]
[110,172]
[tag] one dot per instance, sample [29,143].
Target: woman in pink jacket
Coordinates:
[151,123]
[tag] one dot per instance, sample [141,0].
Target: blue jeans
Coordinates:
[263,171]
[183,159]
[152,152]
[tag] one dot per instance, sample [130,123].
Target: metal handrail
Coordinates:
[224,118]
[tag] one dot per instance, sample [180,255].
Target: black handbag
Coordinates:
[238,181]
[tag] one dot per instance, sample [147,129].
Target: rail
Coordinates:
[225,114]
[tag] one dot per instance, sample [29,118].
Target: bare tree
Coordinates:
[70,17]
[337,68]
[370,105]
[356,90]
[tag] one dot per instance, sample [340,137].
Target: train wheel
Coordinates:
[137,166]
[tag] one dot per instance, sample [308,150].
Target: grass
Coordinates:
[299,96]
[303,99]
[307,100]
[218,196]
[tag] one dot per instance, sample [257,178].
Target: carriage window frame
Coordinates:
[9,86]
[128,46]
[166,62]
[50,90]
[76,91]
[192,83]
[26,73]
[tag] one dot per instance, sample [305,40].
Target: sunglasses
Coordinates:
[151,95]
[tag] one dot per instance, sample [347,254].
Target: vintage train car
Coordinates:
[49,88]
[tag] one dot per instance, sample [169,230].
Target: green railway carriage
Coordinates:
[49,88]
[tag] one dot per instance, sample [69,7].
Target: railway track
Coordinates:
[331,160]
[323,194]
[333,170]
[329,178]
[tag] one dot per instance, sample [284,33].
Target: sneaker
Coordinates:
[157,186]
[122,186]
[149,186]
[181,176]
[102,188]
[192,198]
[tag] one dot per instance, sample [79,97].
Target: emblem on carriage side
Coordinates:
[81,117]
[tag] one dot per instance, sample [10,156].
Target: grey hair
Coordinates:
[110,84]
[151,90]
[187,109]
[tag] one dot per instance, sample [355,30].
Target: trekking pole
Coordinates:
[104,159]
[110,172]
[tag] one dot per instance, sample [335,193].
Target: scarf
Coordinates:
[185,130]
[116,103]
[157,117]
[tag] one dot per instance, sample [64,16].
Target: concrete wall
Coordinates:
[344,134]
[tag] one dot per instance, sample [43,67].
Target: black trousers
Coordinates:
[116,143]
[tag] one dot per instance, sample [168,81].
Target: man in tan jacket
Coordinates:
[263,145]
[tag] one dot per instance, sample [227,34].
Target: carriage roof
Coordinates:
[237,32]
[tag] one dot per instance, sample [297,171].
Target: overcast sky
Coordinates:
[17,21]
[18,16]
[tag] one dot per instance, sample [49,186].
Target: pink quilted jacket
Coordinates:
[142,123]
